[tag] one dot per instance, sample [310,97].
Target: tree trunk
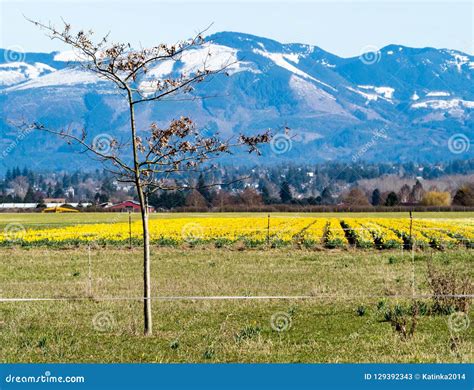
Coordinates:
[148,322]
[146,274]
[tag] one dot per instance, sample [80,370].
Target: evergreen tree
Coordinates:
[264,192]
[31,178]
[8,176]
[326,196]
[75,179]
[392,199]
[16,172]
[41,203]
[101,198]
[167,200]
[29,196]
[58,190]
[285,192]
[66,181]
[203,189]
[376,198]
[107,186]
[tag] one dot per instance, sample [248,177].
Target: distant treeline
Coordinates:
[281,187]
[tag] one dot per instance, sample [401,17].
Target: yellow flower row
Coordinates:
[330,232]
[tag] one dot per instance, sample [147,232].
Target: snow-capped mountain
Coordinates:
[398,103]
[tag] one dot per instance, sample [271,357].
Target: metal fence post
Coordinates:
[411,228]
[130,229]
[89,285]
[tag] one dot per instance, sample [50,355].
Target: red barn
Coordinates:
[128,205]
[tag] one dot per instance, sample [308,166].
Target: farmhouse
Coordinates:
[128,205]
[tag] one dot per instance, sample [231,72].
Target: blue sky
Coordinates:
[341,27]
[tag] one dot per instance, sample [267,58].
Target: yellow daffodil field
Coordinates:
[328,232]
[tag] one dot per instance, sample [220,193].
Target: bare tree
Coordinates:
[158,153]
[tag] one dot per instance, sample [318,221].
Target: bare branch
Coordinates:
[81,141]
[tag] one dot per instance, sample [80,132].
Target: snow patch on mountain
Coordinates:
[162,69]
[64,77]
[438,93]
[444,104]
[280,59]
[368,96]
[10,77]
[458,60]
[17,72]
[385,93]
[314,98]
[326,64]
[213,57]
[293,57]
[69,56]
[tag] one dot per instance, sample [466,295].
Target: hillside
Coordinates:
[399,104]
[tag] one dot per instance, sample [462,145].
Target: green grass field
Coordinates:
[340,315]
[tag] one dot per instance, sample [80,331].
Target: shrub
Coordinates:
[403,320]
[208,353]
[361,311]
[436,198]
[450,291]
[247,333]
[392,260]
[174,344]
[464,196]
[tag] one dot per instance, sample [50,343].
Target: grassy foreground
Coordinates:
[342,320]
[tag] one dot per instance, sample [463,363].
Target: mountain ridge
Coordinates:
[420,99]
